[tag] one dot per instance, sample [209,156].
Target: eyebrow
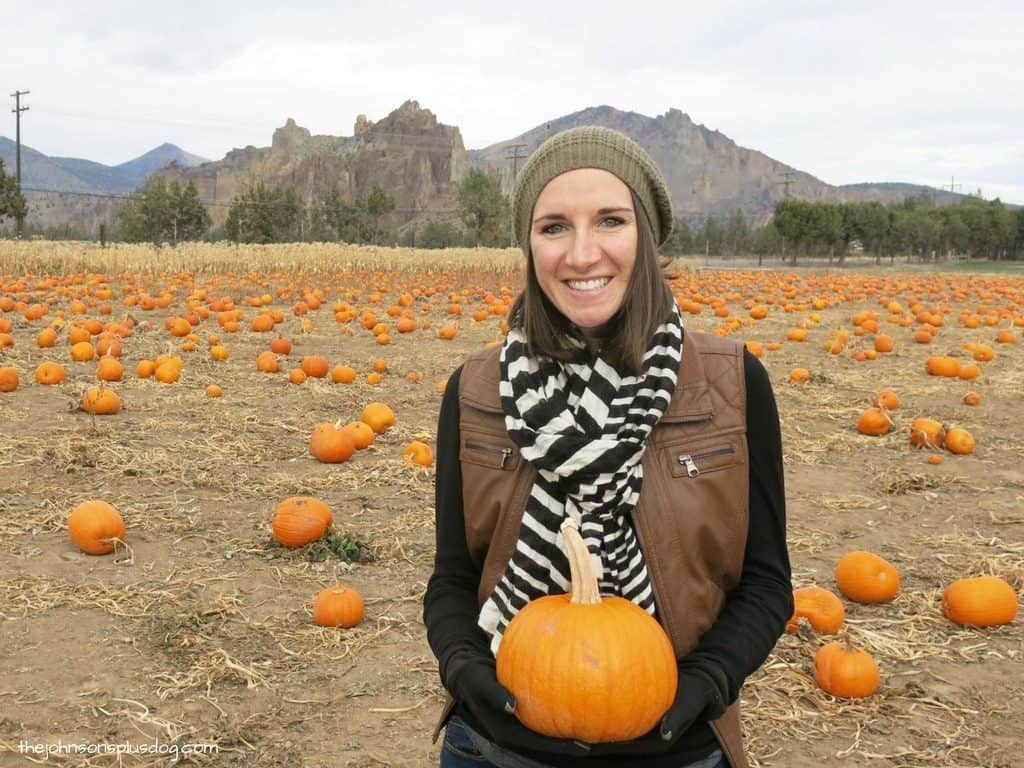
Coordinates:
[600,212]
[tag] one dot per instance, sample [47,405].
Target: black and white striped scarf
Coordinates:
[583,426]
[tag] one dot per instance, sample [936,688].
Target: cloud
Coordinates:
[870,91]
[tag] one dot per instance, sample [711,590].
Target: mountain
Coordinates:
[414,158]
[419,161]
[72,174]
[41,172]
[706,171]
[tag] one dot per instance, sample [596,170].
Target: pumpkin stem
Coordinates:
[585,589]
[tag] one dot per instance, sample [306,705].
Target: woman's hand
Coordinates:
[474,684]
[697,697]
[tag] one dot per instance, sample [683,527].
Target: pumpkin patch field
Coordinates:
[216,502]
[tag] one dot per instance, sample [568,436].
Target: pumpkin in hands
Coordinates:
[587,667]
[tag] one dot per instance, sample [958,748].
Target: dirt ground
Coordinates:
[203,633]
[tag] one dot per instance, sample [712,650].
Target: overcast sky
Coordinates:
[920,92]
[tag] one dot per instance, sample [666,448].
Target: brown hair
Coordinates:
[646,305]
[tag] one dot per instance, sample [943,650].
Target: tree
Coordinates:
[736,236]
[263,214]
[438,235]
[12,202]
[378,204]
[681,239]
[484,209]
[163,212]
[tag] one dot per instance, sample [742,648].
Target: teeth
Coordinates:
[588,285]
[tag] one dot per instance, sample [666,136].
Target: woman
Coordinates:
[663,445]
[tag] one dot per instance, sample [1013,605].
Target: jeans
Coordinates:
[460,751]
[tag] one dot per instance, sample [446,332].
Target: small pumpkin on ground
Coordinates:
[419,453]
[846,672]
[874,421]
[959,440]
[864,577]
[821,607]
[101,401]
[331,443]
[96,527]
[378,416]
[982,601]
[338,606]
[587,667]
[298,520]
[927,433]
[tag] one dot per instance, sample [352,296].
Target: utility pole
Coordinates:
[788,178]
[18,109]
[515,157]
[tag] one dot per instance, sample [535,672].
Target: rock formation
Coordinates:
[413,157]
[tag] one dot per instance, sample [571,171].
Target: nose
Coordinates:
[584,250]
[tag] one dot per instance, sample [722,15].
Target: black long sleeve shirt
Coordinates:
[742,636]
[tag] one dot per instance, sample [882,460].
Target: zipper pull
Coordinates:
[505,453]
[691,467]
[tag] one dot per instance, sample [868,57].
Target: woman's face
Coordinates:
[583,238]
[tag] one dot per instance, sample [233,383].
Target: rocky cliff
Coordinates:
[706,171]
[413,157]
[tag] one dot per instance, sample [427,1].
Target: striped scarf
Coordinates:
[583,426]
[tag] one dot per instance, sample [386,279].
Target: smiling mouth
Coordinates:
[595,284]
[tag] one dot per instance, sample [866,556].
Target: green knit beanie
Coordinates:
[592,146]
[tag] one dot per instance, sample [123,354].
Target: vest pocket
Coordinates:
[692,461]
[488,451]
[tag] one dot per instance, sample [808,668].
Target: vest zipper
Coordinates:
[690,460]
[505,452]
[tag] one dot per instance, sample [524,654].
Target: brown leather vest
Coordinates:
[692,516]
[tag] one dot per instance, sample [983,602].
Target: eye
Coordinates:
[552,229]
[612,221]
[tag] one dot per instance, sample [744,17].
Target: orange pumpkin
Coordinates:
[101,401]
[927,433]
[343,374]
[874,421]
[982,601]
[338,606]
[886,398]
[821,607]
[864,577]
[298,520]
[566,658]
[846,672]
[109,369]
[379,417]
[419,453]
[331,444]
[362,434]
[96,527]
[972,398]
[799,375]
[50,373]
[315,366]
[959,440]
[942,366]
[267,362]
[9,380]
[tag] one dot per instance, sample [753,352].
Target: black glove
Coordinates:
[698,697]
[474,684]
